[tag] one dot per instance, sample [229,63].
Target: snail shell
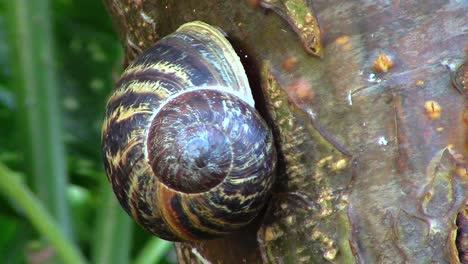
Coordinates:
[187,154]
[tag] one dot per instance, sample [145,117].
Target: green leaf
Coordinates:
[154,251]
[33,61]
[12,240]
[113,240]
[12,187]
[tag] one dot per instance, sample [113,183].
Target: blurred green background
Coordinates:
[58,62]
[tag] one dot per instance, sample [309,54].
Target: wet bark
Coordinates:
[372,137]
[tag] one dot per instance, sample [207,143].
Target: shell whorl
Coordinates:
[186,152]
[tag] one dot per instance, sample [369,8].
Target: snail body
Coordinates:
[184,149]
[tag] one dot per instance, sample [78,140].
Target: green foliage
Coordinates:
[58,62]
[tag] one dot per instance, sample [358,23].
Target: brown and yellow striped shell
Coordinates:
[187,154]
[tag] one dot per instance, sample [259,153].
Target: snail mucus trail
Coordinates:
[184,149]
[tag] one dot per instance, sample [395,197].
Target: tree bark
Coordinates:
[372,137]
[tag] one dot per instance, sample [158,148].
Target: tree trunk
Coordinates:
[371,137]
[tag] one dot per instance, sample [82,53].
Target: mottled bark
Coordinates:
[372,137]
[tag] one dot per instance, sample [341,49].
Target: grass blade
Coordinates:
[154,251]
[113,240]
[12,187]
[32,58]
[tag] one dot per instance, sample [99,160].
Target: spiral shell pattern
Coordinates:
[187,154]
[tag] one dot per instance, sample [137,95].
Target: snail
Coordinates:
[187,154]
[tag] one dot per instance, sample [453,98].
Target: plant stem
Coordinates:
[13,188]
[35,81]
[154,251]
[113,239]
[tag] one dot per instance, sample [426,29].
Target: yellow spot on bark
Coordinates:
[433,109]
